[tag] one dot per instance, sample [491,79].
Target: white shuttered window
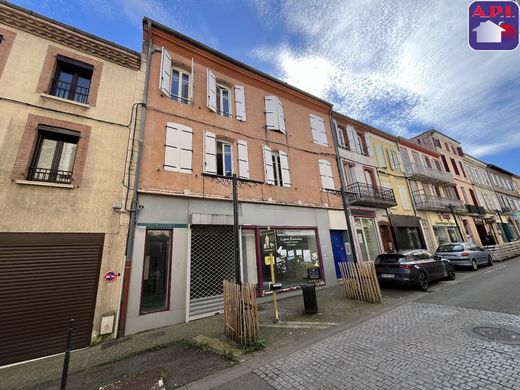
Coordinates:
[178,149]
[284,167]
[274,116]
[319,135]
[165,81]
[243,160]
[240,103]
[268,165]
[210,152]
[327,180]
[212,91]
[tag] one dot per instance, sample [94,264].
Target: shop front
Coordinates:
[366,234]
[407,232]
[445,228]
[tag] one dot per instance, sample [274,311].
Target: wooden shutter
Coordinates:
[404,198]
[240,103]
[327,180]
[367,142]
[165,81]
[192,82]
[178,148]
[351,135]
[212,91]
[319,135]
[380,156]
[243,160]
[284,164]
[271,112]
[210,152]
[341,138]
[268,165]
[281,116]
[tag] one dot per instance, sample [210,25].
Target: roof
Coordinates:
[501,170]
[75,38]
[225,57]
[413,145]
[432,131]
[369,128]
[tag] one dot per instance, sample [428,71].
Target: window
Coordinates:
[319,134]
[445,163]
[156,271]
[224,158]
[428,162]
[394,160]
[462,169]
[276,167]
[350,173]
[274,116]
[223,99]
[180,86]
[342,138]
[454,164]
[327,180]
[436,142]
[453,149]
[72,80]
[447,146]
[54,156]
[178,148]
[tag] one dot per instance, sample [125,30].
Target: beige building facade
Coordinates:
[66,101]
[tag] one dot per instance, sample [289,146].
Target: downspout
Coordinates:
[346,206]
[134,208]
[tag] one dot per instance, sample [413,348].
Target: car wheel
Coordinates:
[451,273]
[423,281]
[474,265]
[490,261]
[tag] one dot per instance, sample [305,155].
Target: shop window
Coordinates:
[156,271]
[54,156]
[296,258]
[72,80]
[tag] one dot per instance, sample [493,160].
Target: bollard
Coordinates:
[66,360]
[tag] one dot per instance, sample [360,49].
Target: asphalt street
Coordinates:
[445,338]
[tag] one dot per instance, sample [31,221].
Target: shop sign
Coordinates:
[268,242]
[363,213]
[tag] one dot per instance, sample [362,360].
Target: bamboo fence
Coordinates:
[241,312]
[360,282]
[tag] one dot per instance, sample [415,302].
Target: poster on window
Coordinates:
[296,253]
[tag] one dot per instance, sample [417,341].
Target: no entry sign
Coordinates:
[110,276]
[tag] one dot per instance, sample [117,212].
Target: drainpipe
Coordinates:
[346,206]
[134,208]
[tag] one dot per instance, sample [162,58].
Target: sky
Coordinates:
[401,66]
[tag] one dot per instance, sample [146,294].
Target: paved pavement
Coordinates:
[426,343]
[416,346]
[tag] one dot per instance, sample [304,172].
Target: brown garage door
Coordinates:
[45,280]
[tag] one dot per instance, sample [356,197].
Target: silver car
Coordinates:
[465,254]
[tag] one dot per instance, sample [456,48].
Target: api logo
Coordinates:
[493,25]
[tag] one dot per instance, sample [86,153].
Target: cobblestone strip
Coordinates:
[416,346]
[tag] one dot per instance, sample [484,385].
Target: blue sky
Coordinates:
[403,67]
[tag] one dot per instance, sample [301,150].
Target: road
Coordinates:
[462,334]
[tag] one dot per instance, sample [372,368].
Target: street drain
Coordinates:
[499,334]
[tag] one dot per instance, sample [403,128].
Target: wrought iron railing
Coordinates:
[473,209]
[359,193]
[428,174]
[429,202]
[69,91]
[49,175]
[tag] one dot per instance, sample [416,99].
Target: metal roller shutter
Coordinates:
[45,280]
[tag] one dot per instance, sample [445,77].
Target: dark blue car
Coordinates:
[416,267]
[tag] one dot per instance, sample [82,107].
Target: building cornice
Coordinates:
[41,26]
[419,148]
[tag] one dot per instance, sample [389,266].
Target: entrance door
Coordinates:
[338,249]
[212,261]
[386,237]
[367,238]
[46,279]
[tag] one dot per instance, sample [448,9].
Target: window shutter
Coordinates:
[210,152]
[240,103]
[243,160]
[192,81]
[367,142]
[327,181]
[351,135]
[212,91]
[394,162]
[178,148]
[284,164]
[319,135]
[271,113]
[341,138]
[268,165]
[404,198]
[165,82]
[380,156]
[281,116]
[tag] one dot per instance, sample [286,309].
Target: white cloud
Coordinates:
[401,66]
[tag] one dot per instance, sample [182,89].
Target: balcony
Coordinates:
[436,203]
[476,210]
[428,175]
[361,194]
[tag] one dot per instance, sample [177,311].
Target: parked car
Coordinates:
[465,254]
[413,267]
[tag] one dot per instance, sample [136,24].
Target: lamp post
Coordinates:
[451,207]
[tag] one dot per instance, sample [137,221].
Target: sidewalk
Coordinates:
[161,353]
